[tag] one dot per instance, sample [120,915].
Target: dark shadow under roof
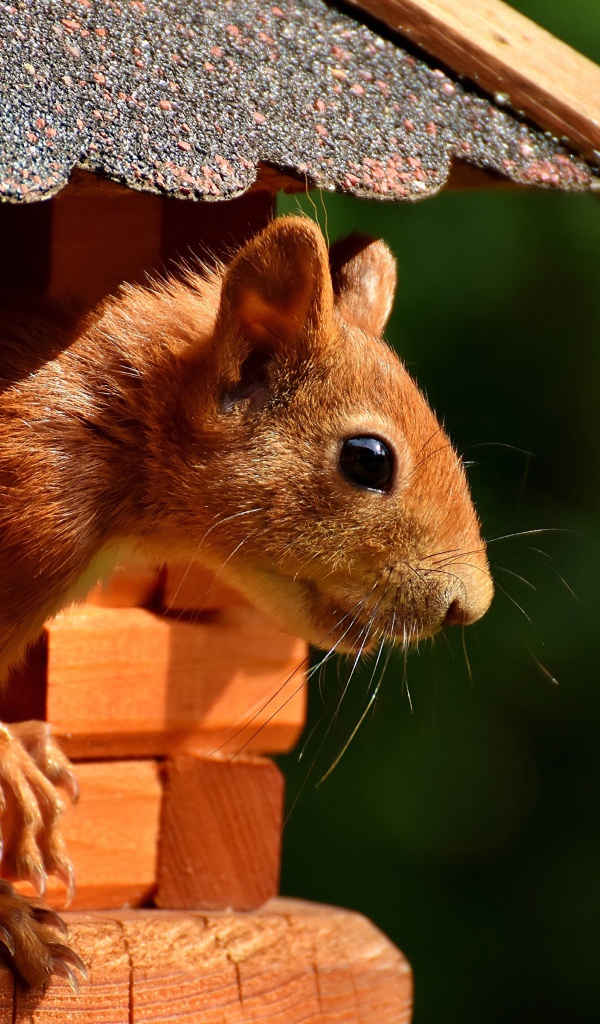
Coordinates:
[186,98]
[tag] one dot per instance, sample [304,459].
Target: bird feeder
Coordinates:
[137,136]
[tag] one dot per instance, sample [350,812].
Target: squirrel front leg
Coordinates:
[31,766]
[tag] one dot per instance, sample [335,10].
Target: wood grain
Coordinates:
[104,999]
[290,963]
[111,836]
[503,51]
[104,234]
[130,683]
[220,833]
[101,236]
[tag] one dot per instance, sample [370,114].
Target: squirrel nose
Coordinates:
[458,614]
[469,596]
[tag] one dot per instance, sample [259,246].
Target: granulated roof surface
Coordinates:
[186,97]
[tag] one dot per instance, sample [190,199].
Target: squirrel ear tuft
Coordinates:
[363,273]
[277,291]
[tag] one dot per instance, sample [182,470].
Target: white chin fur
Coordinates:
[286,601]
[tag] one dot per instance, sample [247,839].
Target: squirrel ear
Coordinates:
[363,272]
[277,291]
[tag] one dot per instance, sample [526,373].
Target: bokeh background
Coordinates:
[465,821]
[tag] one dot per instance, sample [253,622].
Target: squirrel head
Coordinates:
[308,466]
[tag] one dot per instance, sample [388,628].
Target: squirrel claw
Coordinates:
[68,956]
[28,940]
[70,783]
[67,876]
[31,766]
[7,939]
[47,917]
[62,970]
[38,878]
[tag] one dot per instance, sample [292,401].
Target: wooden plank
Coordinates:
[111,836]
[131,683]
[284,992]
[181,970]
[290,963]
[192,587]
[220,834]
[504,52]
[273,180]
[104,234]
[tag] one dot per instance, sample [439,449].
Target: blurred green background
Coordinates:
[468,825]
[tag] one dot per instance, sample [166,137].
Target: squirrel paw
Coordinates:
[28,941]
[31,765]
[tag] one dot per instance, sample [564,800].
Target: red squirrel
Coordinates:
[248,416]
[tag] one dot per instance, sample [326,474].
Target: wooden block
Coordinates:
[273,180]
[220,833]
[130,683]
[290,963]
[503,51]
[130,587]
[192,587]
[111,836]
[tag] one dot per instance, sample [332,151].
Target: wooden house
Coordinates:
[137,134]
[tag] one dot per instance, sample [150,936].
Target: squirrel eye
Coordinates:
[367,462]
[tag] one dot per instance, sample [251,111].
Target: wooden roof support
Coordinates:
[505,52]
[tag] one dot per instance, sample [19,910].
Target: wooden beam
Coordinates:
[289,963]
[505,52]
[124,682]
[210,231]
[464,177]
[103,234]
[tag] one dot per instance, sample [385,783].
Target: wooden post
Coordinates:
[288,963]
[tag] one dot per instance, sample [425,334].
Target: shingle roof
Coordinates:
[186,97]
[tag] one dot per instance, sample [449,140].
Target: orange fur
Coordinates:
[204,417]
